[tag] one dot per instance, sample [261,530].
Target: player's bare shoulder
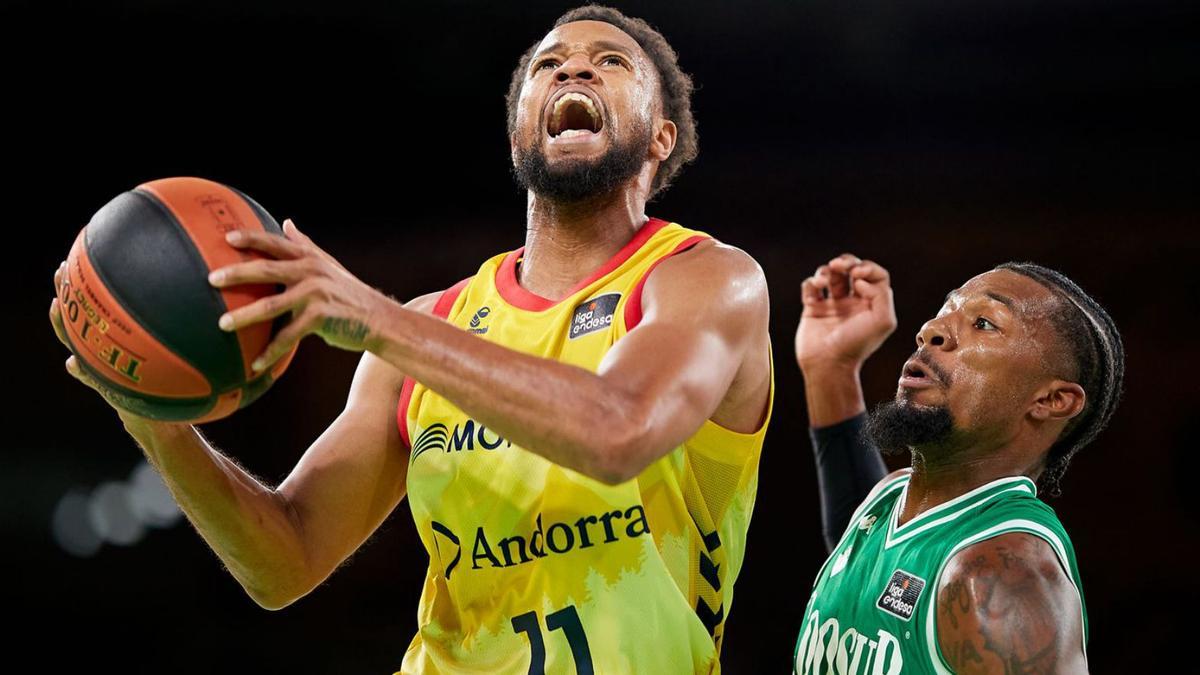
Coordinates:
[720,291]
[715,262]
[424,303]
[1005,604]
[713,276]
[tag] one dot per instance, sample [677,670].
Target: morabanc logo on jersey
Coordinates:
[465,435]
[825,649]
[901,594]
[593,315]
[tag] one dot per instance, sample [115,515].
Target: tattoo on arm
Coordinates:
[344,331]
[964,655]
[1006,606]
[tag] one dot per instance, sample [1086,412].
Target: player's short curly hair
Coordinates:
[1098,360]
[675,85]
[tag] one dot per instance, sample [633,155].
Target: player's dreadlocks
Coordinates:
[1094,343]
[676,85]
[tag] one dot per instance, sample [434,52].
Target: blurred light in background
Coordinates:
[71,528]
[116,512]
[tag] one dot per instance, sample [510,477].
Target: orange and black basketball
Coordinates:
[140,313]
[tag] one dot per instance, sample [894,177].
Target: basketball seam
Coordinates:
[135,315]
[211,400]
[268,224]
[212,291]
[264,218]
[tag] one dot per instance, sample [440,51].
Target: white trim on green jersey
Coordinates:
[953,509]
[867,504]
[1017,525]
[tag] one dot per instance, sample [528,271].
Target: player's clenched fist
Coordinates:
[848,313]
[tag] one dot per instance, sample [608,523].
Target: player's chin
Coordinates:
[923,397]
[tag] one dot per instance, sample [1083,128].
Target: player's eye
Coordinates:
[983,324]
[542,64]
[612,59]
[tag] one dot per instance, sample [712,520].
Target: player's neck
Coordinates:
[936,481]
[566,243]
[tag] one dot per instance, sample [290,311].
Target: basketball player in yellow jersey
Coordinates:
[577,426]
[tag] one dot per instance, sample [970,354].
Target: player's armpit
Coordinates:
[353,476]
[1005,605]
[700,351]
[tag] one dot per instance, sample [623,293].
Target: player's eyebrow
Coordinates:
[600,45]
[1002,299]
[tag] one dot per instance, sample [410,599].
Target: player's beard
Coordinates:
[897,426]
[576,180]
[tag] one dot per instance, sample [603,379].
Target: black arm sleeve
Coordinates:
[848,466]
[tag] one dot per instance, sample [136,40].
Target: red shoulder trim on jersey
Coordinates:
[441,310]
[514,294]
[633,306]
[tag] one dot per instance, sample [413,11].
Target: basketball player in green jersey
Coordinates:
[953,565]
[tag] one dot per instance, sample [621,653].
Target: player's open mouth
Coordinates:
[917,376]
[572,115]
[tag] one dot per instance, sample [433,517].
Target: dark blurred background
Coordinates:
[939,138]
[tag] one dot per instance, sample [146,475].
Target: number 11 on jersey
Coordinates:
[566,619]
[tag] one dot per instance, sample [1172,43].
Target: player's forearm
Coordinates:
[247,524]
[553,409]
[833,392]
[848,466]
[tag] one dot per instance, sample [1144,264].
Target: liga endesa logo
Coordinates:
[593,315]
[901,594]
[556,539]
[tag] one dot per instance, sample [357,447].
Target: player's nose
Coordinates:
[937,333]
[577,67]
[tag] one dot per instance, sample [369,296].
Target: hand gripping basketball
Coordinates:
[322,296]
[139,315]
[72,364]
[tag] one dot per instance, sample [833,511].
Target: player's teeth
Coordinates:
[580,98]
[557,112]
[571,133]
[573,96]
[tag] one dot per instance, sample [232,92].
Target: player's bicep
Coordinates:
[680,370]
[703,311]
[353,476]
[1006,605]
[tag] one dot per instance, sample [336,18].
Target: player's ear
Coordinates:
[1059,400]
[665,133]
[512,148]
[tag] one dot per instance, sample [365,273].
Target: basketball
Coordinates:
[140,314]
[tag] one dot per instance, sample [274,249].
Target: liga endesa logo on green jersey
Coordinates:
[557,538]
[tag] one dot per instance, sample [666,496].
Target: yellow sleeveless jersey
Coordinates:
[534,568]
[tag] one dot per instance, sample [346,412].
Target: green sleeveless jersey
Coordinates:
[873,605]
